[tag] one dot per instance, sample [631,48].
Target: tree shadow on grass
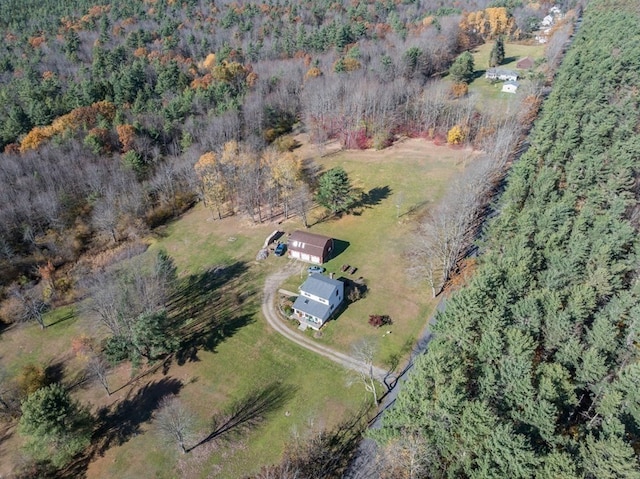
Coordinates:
[115,426]
[209,307]
[248,413]
[54,372]
[374,197]
[478,74]
[65,317]
[118,425]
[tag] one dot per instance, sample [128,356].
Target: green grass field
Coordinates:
[406,179]
[245,359]
[491,92]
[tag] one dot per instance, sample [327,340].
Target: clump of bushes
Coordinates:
[378,320]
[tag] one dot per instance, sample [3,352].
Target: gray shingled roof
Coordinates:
[320,285]
[312,308]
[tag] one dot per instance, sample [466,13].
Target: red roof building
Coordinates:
[309,247]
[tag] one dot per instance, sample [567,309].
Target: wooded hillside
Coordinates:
[105,108]
[534,368]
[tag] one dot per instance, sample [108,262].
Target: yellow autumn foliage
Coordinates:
[488,23]
[456,135]
[313,72]
[209,62]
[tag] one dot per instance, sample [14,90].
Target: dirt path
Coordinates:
[269,310]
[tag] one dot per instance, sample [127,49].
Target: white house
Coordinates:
[547,21]
[319,298]
[510,87]
[500,74]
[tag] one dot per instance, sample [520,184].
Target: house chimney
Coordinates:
[331,275]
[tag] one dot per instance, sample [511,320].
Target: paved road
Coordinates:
[269,310]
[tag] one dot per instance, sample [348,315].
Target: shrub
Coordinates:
[456,135]
[31,378]
[354,294]
[378,320]
[382,140]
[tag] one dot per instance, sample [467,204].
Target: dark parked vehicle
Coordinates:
[280,249]
[315,269]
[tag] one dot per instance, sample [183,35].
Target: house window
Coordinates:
[337,292]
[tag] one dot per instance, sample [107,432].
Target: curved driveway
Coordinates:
[271,286]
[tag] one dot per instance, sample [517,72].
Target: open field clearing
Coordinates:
[513,52]
[403,181]
[238,358]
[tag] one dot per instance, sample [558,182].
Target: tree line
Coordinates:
[533,368]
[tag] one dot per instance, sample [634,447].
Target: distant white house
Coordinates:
[500,74]
[547,21]
[510,87]
[319,298]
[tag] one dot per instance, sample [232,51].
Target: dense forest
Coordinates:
[533,371]
[106,108]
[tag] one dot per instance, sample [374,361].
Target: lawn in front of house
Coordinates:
[245,356]
[302,391]
[489,92]
[404,181]
[238,359]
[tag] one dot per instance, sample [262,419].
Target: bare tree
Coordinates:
[364,351]
[33,306]
[175,422]
[406,457]
[98,367]
[445,235]
[9,395]
[302,201]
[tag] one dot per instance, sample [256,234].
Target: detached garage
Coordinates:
[309,247]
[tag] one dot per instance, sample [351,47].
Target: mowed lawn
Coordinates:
[300,390]
[405,181]
[513,52]
[246,362]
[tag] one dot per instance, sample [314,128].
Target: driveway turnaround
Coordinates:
[273,318]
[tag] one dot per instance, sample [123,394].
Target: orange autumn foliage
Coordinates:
[126,136]
[458,90]
[313,72]
[35,42]
[83,117]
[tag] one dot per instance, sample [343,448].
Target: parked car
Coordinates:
[280,249]
[315,269]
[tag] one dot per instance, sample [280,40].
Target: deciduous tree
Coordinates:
[175,422]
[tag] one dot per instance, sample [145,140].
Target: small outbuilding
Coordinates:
[310,247]
[510,87]
[319,298]
[525,63]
